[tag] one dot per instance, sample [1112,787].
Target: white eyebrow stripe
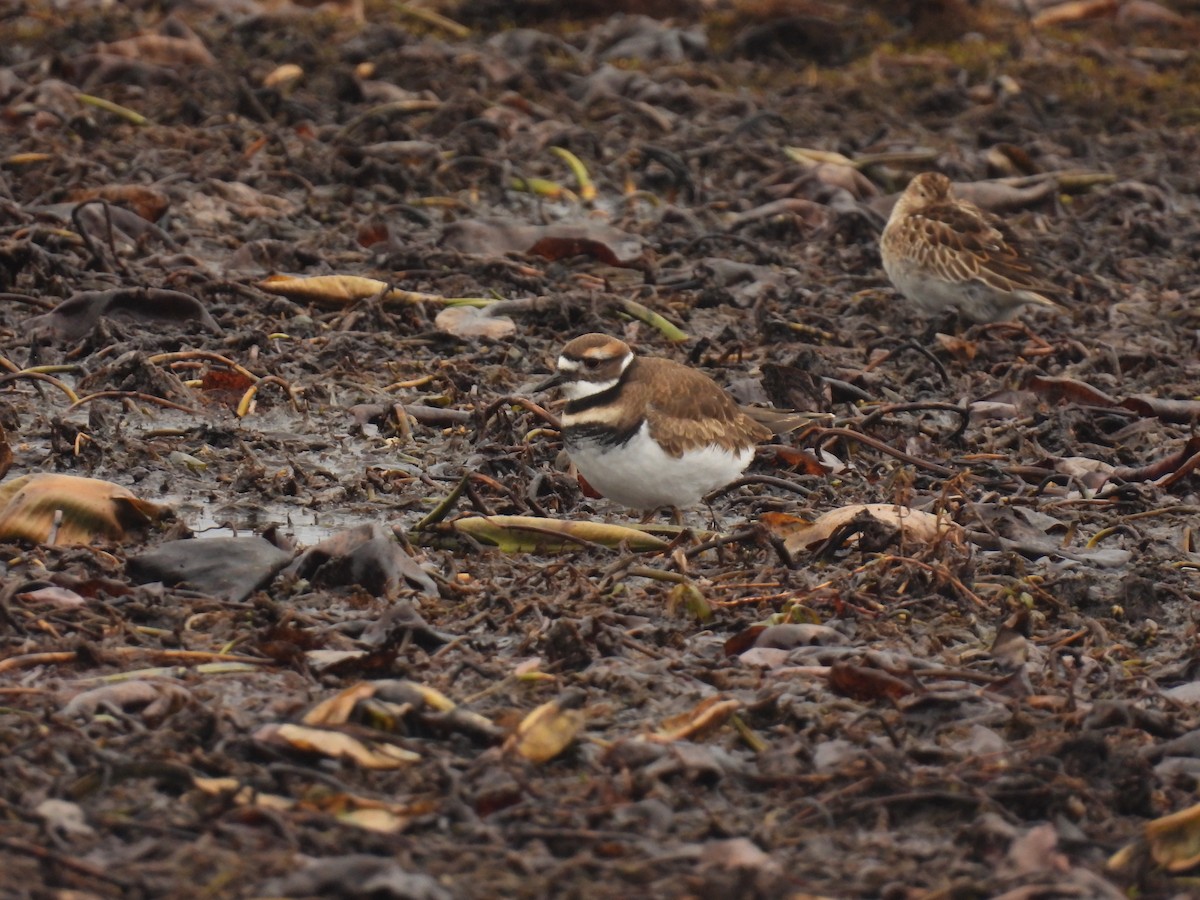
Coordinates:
[567,365]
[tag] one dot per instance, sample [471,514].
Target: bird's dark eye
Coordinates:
[591,363]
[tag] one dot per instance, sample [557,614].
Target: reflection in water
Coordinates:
[301,525]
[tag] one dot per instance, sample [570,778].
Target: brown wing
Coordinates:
[962,243]
[687,410]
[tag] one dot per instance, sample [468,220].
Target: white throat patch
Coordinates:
[576,388]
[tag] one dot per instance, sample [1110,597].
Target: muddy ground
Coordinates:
[994,712]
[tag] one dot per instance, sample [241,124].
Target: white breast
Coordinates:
[931,294]
[640,475]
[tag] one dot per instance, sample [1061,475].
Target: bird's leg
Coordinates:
[1015,327]
[951,322]
[676,515]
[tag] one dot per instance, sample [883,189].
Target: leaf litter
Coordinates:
[292,278]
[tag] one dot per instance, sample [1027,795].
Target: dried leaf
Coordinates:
[808,212]
[156,699]
[1147,13]
[546,732]
[63,817]
[365,556]
[468,322]
[350,809]
[396,705]
[810,158]
[52,596]
[1175,839]
[324,290]
[541,187]
[76,316]
[958,347]
[283,77]
[743,640]
[401,621]
[1002,197]
[789,636]
[162,50]
[226,380]
[432,697]
[705,717]
[764,657]
[531,534]
[122,230]
[1184,412]
[242,795]
[321,661]
[336,745]
[236,199]
[800,535]
[147,202]
[338,291]
[231,568]
[800,460]
[381,821]
[497,237]
[1166,468]
[1092,472]
[867,682]
[554,247]
[692,600]
[1074,11]
[90,510]
[337,709]
[585,487]
[1059,389]
[845,178]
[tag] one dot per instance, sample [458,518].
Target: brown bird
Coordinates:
[648,432]
[944,254]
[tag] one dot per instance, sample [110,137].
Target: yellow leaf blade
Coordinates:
[546,732]
[86,509]
[531,534]
[337,745]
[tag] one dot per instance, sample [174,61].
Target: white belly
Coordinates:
[639,475]
[930,294]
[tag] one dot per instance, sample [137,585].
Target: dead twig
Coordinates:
[509,400]
[57,859]
[849,434]
[41,376]
[184,355]
[937,571]
[28,660]
[132,395]
[771,480]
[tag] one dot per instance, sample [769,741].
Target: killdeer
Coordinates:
[648,432]
[943,253]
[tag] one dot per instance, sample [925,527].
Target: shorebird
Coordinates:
[648,432]
[944,254]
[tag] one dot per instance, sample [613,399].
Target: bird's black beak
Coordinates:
[553,381]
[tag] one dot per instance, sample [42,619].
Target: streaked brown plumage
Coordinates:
[944,253]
